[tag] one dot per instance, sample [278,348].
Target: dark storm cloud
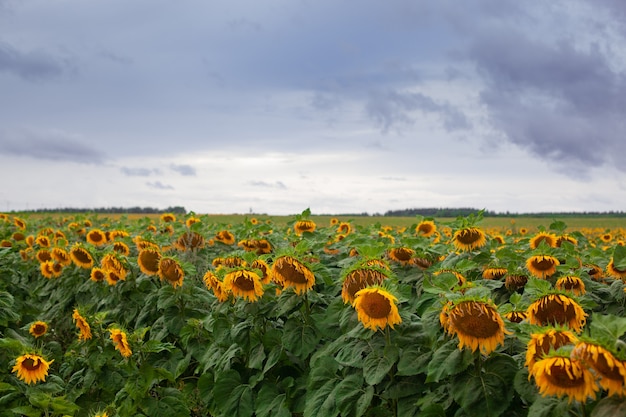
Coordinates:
[31,65]
[185,170]
[159,185]
[53,146]
[138,172]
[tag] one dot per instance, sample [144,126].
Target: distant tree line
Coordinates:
[111,210]
[464,211]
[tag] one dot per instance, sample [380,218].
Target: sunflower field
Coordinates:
[181,316]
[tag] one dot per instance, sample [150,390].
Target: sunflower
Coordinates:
[6,243]
[243,283]
[263,246]
[494,273]
[81,257]
[571,283]
[266,273]
[499,239]
[191,221]
[225,237]
[38,328]
[360,278]
[469,238]
[557,309]
[606,237]
[168,217]
[97,274]
[344,228]
[47,269]
[287,271]
[82,324]
[557,374]
[566,238]
[513,282]
[549,238]
[121,248]
[376,308]
[229,262]
[31,368]
[19,223]
[171,271]
[516,316]
[426,228]
[213,283]
[120,341]
[189,241]
[477,324]
[96,237]
[61,256]
[112,277]
[43,255]
[43,241]
[302,226]
[460,277]
[334,221]
[615,272]
[542,266]
[610,371]
[401,255]
[148,260]
[248,245]
[114,234]
[546,339]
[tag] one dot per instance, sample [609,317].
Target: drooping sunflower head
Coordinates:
[43,255]
[426,228]
[121,248]
[31,368]
[96,237]
[376,308]
[213,283]
[244,283]
[20,223]
[516,316]
[572,284]
[189,241]
[469,238]
[168,217]
[615,272]
[610,370]
[148,260]
[288,272]
[38,329]
[81,256]
[61,256]
[566,238]
[401,255]
[82,324]
[360,277]
[43,241]
[559,375]
[120,341]
[304,225]
[192,220]
[171,271]
[225,237]
[513,282]
[546,339]
[549,239]
[542,266]
[557,309]
[266,272]
[97,274]
[263,246]
[344,228]
[476,323]
[494,273]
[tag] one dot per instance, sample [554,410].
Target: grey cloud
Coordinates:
[138,172]
[53,146]
[185,170]
[276,184]
[391,108]
[32,66]
[159,185]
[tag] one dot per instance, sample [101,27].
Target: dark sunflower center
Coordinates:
[402,254]
[543,347]
[563,377]
[290,273]
[425,228]
[39,329]
[244,283]
[170,271]
[474,320]
[31,364]
[468,236]
[545,264]
[603,368]
[150,260]
[376,305]
[552,311]
[361,278]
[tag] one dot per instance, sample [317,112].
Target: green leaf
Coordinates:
[439,284]
[353,398]
[322,401]
[413,361]
[300,338]
[488,391]
[27,411]
[231,396]
[448,360]
[549,407]
[351,353]
[271,403]
[610,407]
[558,226]
[607,328]
[619,257]
[256,357]
[377,364]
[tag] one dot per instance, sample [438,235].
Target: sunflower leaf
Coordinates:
[607,328]
[378,364]
[271,403]
[448,360]
[231,396]
[300,338]
[619,257]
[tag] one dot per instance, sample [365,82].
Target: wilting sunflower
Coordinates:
[43,255]
[168,217]
[266,272]
[96,237]
[243,283]
[229,262]
[38,328]
[121,248]
[494,273]
[344,228]
[6,243]
[82,324]
[225,237]
[557,309]
[549,238]
[302,226]
[171,271]
[287,271]
[81,257]
[19,223]
[594,271]
[513,282]
[31,368]
[360,278]
[615,272]
[47,269]
[213,283]
[120,341]
[516,316]
[401,255]
[546,339]
[192,220]
[542,266]
[559,375]
[61,256]
[477,324]
[114,234]
[189,241]
[148,260]
[566,238]
[469,238]
[376,308]
[97,274]
[571,283]
[426,228]
[610,371]
[263,246]
[43,241]
[248,245]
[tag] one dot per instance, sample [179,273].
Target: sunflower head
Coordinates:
[555,308]
[376,308]
[81,256]
[402,255]
[546,339]
[609,369]
[225,237]
[549,239]
[148,260]
[469,238]
[216,285]
[244,283]
[96,237]
[120,341]
[31,368]
[288,271]
[38,328]
[170,270]
[542,266]
[426,228]
[304,225]
[359,277]
[189,241]
[82,324]
[572,284]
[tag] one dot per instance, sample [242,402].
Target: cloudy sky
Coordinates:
[343,106]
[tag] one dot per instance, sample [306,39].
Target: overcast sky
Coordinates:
[343,106]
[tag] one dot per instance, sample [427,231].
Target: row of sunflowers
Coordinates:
[187,317]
